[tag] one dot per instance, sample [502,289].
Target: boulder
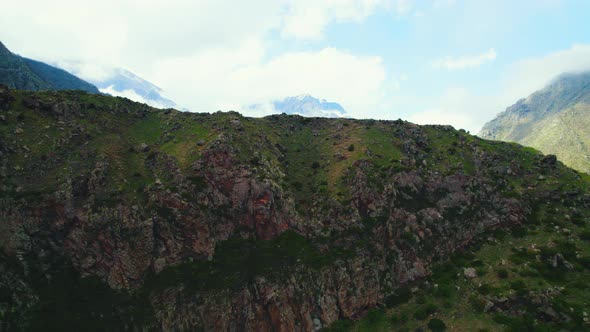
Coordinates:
[470,273]
[549,160]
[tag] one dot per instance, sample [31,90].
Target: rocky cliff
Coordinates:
[117,215]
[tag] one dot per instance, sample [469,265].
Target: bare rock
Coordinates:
[470,273]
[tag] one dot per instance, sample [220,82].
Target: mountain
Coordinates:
[304,105]
[119,82]
[307,105]
[554,120]
[118,216]
[21,73]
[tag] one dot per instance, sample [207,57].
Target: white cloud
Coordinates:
[467,61]
[132,33]
[306,19]
[463,108]
[527,75]
[135,33]
[207,54]
[232,78]
[90,71]
[460,108]
[130,94]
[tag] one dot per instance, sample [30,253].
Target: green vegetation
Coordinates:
[25,74]
[524,273]
[447,153]
[553,120]
[436,325]
[362,189]
[237,261]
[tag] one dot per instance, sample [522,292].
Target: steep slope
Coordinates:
[114,215]
[553,120]
[25,74]
[15,73]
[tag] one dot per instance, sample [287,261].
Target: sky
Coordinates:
[457,62]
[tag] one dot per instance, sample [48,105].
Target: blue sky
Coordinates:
[455,62]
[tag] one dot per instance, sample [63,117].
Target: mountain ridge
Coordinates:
[27,74]
[552,120]
[116,215]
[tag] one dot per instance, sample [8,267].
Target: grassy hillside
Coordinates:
[553,120]
[115,215]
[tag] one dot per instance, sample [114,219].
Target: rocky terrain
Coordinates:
[554,120]
[115,215]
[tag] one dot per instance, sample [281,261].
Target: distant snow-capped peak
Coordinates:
[304,105]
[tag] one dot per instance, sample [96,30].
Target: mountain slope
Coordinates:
[25,74]
[119,82]
[553,120]
[124,82]
[115,215]
[16,74]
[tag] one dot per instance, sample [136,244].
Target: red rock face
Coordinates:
[122,244]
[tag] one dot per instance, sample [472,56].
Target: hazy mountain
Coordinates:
[554,120]
[26,74]
[119,82]
[304,105]
[307,105]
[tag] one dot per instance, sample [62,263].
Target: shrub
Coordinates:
[477,303]
[485,289]
[425,311]
[585,261]
[351,147]
[400,319]
[399,297]
[519,232]
[315,165]
[443,291]
[502,273]
[375,316]
[340,326]
[436,324]
[519,286]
